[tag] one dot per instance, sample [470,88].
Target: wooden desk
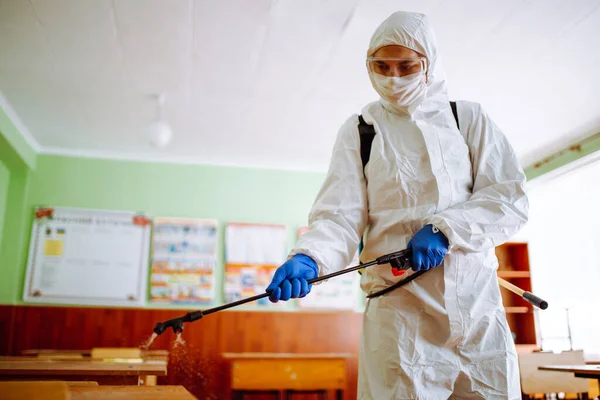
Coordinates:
[272,372]
[580,371]
[37,352]
[73,354]
[64,391]
[146,371]
[130,392]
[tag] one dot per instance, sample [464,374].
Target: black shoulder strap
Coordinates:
[455,113]
[367,133]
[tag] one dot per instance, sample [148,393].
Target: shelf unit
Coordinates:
[513,266]
[513,274]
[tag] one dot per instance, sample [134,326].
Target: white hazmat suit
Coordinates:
[445,334]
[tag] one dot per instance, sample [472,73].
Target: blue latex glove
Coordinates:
[428,248]
[290,280]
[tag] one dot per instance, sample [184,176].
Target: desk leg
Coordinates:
[237,394]
[323,394]
[149,380]
[339,394]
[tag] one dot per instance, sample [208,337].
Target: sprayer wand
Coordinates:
[400,262]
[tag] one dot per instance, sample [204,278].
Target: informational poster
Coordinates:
[183,261]
[253,253]
[338,293]
[80,256]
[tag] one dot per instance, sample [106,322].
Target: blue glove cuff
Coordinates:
[439,234]
[306,260]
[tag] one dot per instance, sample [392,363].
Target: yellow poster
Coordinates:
[53,247]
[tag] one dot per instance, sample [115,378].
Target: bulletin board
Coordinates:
[339,293]
[253,253]
[183,261]
[79,256]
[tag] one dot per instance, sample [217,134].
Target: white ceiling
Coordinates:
[269,82]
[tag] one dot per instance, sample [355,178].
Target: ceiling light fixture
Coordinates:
[159,132]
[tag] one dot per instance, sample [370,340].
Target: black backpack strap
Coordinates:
[455,113]
[366,133]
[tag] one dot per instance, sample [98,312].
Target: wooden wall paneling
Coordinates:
[198,365]
[7,323]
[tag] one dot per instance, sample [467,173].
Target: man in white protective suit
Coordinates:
[450,195]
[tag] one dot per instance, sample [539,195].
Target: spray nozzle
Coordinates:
[177,323]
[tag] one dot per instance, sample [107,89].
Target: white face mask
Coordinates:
[401,91]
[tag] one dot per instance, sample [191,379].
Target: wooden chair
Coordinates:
[130,353]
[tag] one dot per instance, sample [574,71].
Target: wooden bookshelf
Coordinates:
[513,274]
[517,310]
[513,259]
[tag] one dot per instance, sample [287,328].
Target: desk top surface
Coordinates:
[592,370]
[34,390]
[130,392]
[36,352]
[78,367]
[266,356]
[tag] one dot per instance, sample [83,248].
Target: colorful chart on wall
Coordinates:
[338,293]
[79,256]
[253,253]
[183,261]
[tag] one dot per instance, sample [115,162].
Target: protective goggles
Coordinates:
[396,66]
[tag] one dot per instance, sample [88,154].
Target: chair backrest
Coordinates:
[536,381]
[116,352]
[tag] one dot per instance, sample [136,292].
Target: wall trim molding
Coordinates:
[19,124]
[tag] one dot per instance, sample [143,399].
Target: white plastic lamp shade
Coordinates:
[159,133]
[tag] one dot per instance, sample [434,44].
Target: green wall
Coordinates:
[225,193]
[17,159]
[13,254]
[4,180]
[170,190]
